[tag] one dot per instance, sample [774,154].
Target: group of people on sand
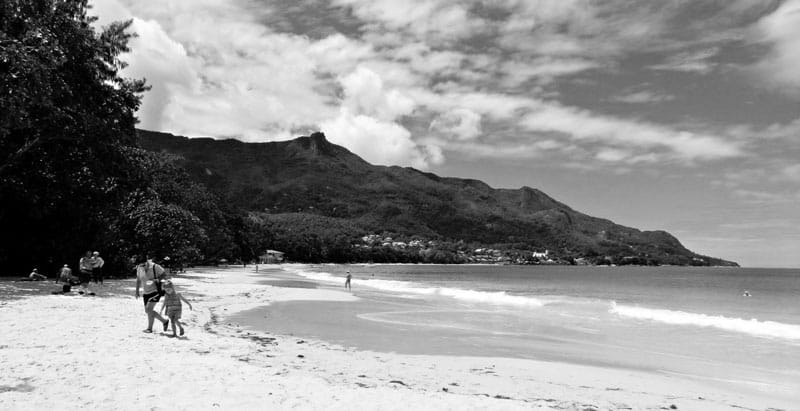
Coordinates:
[90,267]
[152,280]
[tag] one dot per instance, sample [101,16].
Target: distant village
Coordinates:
[465,253]
[376,248]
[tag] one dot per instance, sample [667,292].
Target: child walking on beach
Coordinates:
[172,303]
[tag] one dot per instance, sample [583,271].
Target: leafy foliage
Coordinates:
[308,237]
[65,116]
[169,184]
[72,176]
[148,226]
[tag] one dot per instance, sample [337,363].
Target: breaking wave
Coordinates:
[754,327]
[405,287]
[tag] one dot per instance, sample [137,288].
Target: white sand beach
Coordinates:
[77,352]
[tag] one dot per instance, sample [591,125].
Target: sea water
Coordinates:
[731,325]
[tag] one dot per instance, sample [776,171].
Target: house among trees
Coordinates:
[271,257]
[540,255]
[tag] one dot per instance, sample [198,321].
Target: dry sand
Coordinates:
[75,352]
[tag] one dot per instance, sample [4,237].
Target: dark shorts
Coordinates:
[85,276]
[147,298]
[97,274]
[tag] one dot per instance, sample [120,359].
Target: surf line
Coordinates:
[754,327]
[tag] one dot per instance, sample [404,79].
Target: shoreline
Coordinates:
[91,352]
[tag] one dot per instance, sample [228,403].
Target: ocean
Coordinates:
[696,322]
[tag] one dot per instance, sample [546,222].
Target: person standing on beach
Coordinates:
[97,268]
[172,303]
[347,282]
[85,267]
[147,274]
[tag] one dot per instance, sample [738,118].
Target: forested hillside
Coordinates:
[329,193]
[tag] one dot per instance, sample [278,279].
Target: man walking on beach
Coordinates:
[347,282]
[147,274]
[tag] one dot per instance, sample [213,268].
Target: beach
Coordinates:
[74,352]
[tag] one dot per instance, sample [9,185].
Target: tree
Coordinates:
[148,226]
[65,117]
[171,185]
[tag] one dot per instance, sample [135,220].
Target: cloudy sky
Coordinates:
[679,115]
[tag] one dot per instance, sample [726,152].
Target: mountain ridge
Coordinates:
[311,176]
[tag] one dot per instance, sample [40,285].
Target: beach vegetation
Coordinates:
[72,175]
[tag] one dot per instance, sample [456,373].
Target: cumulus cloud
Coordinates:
[581,124]
[436,20]
[166,66]
[461,123]
[423,78]
[367,123]
[767,197]
[365,93]
[782,30]
[380,142]
[542,69]
[698,61]
[612,155]
[642,97]
[217,72]
[792,172]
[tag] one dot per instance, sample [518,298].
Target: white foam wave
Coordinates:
[405,287]
[770,329]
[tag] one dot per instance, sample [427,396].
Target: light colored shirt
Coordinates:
[85,264]
[65,273]
[97,262]
[146,273]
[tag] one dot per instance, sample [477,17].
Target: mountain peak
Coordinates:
[318,137]
[317,145]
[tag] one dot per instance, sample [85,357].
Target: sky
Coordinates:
[676,115]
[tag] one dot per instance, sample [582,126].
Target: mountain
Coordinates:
[310,177]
